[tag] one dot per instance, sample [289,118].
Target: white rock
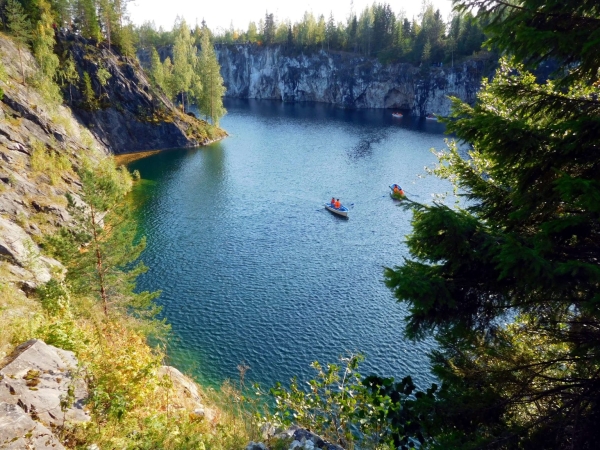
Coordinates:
[50,372]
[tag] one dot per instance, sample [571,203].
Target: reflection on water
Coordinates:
[251,266]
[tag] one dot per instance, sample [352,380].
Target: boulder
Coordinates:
[185,394]
[36,377]
[18,431]
[299,439]
[18,248]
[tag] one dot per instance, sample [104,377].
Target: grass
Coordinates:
[49,162]
[19,315]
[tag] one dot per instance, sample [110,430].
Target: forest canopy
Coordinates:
[376,31]
[508,282]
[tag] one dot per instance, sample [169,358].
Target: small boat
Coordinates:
[396,195]
[430,117]
[341,211]
[397,114]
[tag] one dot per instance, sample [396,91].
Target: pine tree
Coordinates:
[184,60]
[43,41]
[156,69]
[19,27]
[86,17]
[100,249]
[211,104]
[509,283]
[67,74]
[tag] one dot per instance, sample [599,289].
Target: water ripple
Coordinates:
[253,270]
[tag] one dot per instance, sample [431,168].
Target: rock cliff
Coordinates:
[34,137]
[346,80]
[126,113]
[42,146]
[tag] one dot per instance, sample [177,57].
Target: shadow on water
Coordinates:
[318,112]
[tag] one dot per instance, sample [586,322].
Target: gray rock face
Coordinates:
[185,393]
[130,115]
[345,80]
[18,431]
[299,439]
[37,378]
[19,249]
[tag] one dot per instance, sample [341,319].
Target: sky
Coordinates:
[220,14]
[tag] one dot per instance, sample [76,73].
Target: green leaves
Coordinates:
[508,283]
[343,407]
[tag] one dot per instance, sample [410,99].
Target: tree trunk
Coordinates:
[99,265]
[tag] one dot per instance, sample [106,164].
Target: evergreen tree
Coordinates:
[43,41]
[213,90]
[184,60]
[167,71]
[86,19]
[67,74]
[330,31]
[89,96]
[509,283]
[252,33]
[100,248]
[157,74]
[20,28]
[269,30]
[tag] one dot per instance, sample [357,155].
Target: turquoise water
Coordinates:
[254,271]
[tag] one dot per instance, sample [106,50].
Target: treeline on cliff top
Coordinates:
[192,78]
[377,31]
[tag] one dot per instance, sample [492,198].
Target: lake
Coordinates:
[254,271]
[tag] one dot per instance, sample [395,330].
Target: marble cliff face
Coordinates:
[345,80]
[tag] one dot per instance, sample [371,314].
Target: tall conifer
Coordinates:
[19,27]
[211,104]
[509,284]
[184,60]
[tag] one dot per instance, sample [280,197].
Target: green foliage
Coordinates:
[43,41]
[375,31]
[100,249]
[67,74]
[184,60]
[210,101]
[48,162]
[357,412]
[19,27]
[89,96]
[508,283]
[566,31]
[156,70]
[86,19]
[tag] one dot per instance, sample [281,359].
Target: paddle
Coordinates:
[414,195]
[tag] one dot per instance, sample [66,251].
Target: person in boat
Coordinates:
[397,189]
[337,204]
[332,201]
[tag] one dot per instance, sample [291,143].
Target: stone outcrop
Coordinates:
[346,80]
[296,438]
[128,115]
[18,431]
[31,203]
[40,390]
[185,394]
